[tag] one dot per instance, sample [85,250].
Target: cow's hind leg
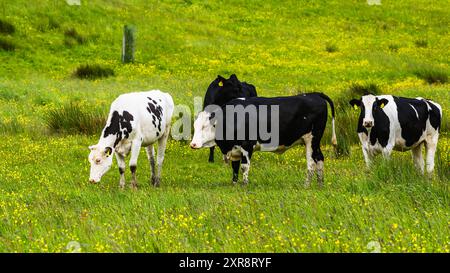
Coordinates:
[151,158]
[211,154]
[311,165]
[417,157]
[121,163]
[235,164]
[162,142]
[245,164]
[317,155]
[135,148]
[431,145]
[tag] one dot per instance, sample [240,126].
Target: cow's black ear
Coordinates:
[355,102]
[108,151]
[234,78]
[382,102]
[220,78]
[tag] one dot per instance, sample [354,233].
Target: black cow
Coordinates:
[389,123]
[243,126]
[221,90]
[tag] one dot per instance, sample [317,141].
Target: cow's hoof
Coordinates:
[234,182]
[211,160]
[134,186]
[121,186]
[156,181]
[245,182]
[307,184]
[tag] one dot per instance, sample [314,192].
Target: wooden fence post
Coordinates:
[128,43]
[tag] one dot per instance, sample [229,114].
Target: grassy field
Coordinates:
[48,117]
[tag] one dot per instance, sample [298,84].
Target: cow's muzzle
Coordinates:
[368,124]
[93,181]
[194,145]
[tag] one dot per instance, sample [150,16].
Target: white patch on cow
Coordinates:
[368,102]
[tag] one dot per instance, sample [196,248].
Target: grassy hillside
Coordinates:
[401,48]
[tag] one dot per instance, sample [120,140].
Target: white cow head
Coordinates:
[368,104]
[101,161]
[204,131]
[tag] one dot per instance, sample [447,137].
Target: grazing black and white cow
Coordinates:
[290,120]
[389,123]
[222,90]
[135,120]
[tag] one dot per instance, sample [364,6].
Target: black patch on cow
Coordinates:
[133,169]
[380,131]
[156,112]
[121,171]
[120,126]
[413,125]
[435,116]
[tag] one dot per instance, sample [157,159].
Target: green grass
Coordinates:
[48,118]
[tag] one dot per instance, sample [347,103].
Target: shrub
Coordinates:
[7,45]
[93,71]
[331,48]
[6,27]
[432,75]
[72,118]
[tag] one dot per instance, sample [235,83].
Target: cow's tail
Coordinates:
[333,136]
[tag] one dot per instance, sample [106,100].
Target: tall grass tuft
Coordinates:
[330,48]
[72,118]
[93,71]
[432,75]
[6,27]
[11,127]
[421,43]
[7,45]
[72,37]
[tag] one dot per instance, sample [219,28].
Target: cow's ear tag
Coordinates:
[382,105]
[355,106]
[220,83]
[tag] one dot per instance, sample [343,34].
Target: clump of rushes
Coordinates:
[6,27]
[421,43]
[72,37]
[73,118]
[93,71]
[432,75]
[330,48]
[7,45]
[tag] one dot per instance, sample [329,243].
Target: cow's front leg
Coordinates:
[211,154]
[121,163]
[367,156]
[235,165]
[135,148]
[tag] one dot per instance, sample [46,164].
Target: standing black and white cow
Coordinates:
[299,119]
[388,123]
[135,120]
[222,90]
